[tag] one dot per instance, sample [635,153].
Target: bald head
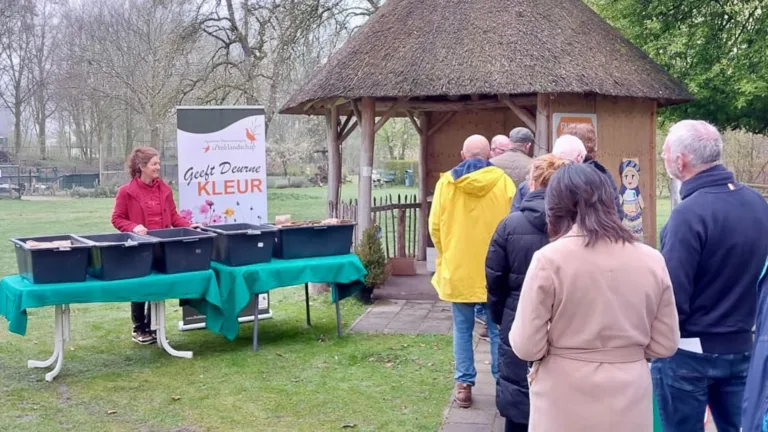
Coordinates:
[476,146]
[500,144]
[570,148]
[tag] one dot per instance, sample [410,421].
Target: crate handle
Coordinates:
[62,249]
[253,232]
[190,240]
[321,227]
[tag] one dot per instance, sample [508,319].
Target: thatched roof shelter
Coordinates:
[483,66]
[441,48]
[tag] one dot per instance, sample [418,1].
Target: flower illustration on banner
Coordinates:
[186,214]
[209,202]
[229,212]
[216,219]
[204,209]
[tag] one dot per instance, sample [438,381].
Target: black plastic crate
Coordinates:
[181,250]
[294,242]
[52,264]
[240,244]
[119,256]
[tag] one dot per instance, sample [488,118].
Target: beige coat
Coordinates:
[593,316]
[515,163]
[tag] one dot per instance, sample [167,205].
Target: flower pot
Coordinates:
[365,295]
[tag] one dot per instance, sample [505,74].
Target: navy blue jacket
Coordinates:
[715,244]
[516,238]
[754,416]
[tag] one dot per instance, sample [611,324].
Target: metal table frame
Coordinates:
[61,335]
[309,320]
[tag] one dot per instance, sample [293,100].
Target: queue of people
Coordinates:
[577,306]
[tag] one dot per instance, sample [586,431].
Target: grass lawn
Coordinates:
[302,379]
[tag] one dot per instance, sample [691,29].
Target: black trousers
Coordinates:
[510,426]
[142,318]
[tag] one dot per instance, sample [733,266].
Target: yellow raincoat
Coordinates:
[466,209]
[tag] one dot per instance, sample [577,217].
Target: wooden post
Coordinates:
[423,223]
[400,233]
[542,125]
[334,159]
[367,137]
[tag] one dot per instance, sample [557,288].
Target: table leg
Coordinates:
[157,310]
[256,325]
[338,311]
[306,302]
[58,345]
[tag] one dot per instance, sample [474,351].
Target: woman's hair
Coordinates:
[580,195]
[139,157]
[586,133]
[543,167]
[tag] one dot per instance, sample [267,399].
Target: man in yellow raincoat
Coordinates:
[468,204]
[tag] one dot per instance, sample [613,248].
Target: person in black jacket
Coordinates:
[516,238]
[586,133]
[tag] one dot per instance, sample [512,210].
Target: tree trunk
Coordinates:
[128,133]
[17,127]
[41,120]
[110,139]
[154,136]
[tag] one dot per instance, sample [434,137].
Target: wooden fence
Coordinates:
[397,217]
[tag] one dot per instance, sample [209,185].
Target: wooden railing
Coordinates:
[397,217]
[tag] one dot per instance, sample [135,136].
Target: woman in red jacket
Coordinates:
[145,203]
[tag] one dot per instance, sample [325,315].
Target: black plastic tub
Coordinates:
[46,265]
[120,256]
[240,244]
[182,250]
[294,242]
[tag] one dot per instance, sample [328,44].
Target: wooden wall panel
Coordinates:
[444,146]
[626,130]
[574,103]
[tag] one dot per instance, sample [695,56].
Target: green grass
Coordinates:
[302,379]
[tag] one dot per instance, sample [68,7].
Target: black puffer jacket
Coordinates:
[517,237]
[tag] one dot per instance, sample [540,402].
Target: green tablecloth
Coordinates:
[17,294]
[237,284]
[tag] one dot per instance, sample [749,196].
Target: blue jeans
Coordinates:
[463,353]
[685,383]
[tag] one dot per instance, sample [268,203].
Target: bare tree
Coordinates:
[15,53]
[44,44]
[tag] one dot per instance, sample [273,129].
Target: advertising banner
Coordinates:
[222,177]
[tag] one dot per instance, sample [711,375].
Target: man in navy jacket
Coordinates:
[715,245]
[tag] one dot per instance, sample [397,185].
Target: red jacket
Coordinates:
[129,213]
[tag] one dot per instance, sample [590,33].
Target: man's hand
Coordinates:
[195,226]
[140,230]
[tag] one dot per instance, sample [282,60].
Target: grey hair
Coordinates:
[698,139]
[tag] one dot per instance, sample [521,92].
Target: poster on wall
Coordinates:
[222,175]
[629,195]
[560,121]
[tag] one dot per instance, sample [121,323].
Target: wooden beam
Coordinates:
[521,113]
[343,127]
[542,125]
[383,120]
[334,160]
[348,132]
[419,104]
[367,137]
[356,110]
[413,122]
[423,154]
[440,124]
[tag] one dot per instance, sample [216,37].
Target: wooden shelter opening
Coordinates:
[456,68]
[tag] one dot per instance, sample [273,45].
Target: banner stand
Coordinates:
[194,320]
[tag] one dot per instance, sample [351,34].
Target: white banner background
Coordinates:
[223,175]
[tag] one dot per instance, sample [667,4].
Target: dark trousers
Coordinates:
[142,318]
[687,382]
[510,426]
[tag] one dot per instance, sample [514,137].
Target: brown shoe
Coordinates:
[463,395]
[483,332]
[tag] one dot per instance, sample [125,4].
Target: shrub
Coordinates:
[400,166]
[372,256]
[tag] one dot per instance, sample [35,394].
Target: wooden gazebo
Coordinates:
[457,67]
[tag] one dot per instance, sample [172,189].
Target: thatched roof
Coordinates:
[443,48]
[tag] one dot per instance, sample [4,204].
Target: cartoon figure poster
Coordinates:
[222,164]
[630,197]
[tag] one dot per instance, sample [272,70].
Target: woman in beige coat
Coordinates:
[594,307]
